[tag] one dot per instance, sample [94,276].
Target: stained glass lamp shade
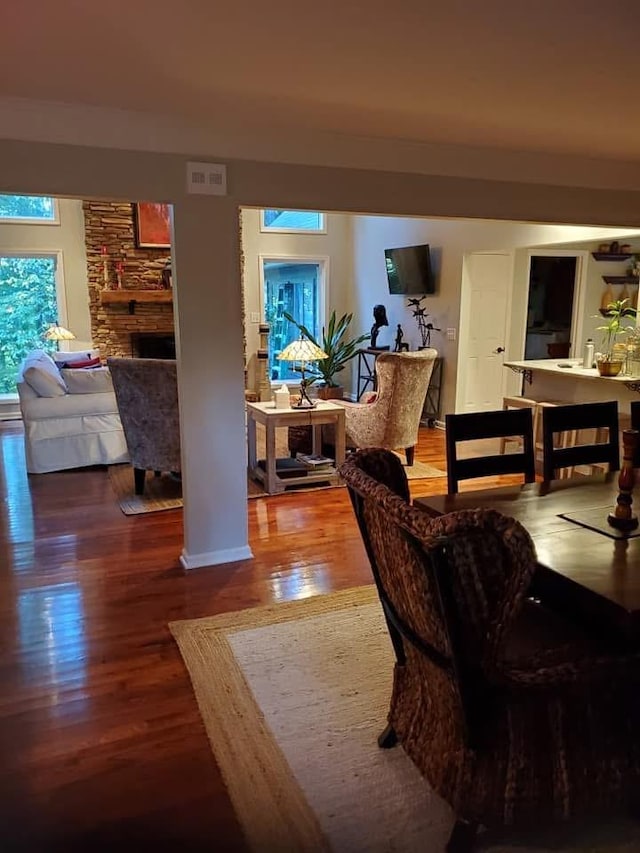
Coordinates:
[302,351]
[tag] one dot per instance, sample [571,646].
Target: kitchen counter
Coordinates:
[544,379]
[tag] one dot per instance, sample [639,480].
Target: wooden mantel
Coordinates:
[108,297]
[116,297]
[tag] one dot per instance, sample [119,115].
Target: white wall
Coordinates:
[207,289]
[336,244]
[66,236]
[449,240]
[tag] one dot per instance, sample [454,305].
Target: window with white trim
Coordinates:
[28,306]
[293,221]
[297,286]
[31,209]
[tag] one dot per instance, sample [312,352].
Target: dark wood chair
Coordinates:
[571,419]
[512,714]
[504,423]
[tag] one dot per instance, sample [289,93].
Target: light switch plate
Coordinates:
[451,334]
[206,178]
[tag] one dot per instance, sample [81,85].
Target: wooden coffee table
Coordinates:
[271,418]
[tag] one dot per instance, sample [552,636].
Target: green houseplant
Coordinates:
[337,345]
[611,360]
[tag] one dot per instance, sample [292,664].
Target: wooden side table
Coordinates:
[270,417]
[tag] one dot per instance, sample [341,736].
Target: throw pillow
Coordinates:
[96,381]
[40,373]
[64,359]
[79,365]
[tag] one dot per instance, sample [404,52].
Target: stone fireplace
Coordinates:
[138,317]
[153,345]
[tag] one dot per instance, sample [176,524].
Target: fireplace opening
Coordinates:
[153,345]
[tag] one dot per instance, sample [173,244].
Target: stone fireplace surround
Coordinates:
[116,331]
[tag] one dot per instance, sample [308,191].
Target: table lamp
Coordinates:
[304,351]
[58,333]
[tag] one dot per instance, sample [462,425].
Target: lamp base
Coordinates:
[305,401]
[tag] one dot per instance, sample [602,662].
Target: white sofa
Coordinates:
[70,414]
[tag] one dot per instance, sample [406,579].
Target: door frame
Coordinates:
[579,295]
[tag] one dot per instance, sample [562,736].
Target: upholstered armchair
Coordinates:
[393,418]
[147,395]
[511,713]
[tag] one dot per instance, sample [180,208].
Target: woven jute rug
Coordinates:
[293,697]
[163,492]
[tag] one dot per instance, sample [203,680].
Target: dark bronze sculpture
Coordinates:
[380,319]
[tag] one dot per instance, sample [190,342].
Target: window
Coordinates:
[293,221]
[296,286]
[28,208]
[28,305]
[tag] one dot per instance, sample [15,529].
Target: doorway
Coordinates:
[484,311]
[550,306]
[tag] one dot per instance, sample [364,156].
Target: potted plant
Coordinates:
[611,360]
[339,348]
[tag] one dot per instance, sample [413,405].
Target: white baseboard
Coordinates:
[215,558]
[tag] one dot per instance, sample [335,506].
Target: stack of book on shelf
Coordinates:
[314,461]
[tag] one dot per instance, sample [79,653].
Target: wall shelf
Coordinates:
[628,312]
[611,256]
[131,297]
[621,279]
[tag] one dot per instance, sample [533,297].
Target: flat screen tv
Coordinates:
[409,270]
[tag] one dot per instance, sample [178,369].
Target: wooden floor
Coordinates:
[100,738]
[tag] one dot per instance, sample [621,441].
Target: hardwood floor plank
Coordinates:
[100,736]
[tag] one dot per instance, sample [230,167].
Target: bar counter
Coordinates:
[544,379]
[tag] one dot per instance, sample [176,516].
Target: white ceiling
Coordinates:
[554,77]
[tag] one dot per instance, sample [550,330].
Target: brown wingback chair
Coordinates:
[509,713]
[147,395]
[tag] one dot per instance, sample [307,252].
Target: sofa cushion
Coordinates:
[40,372]
[87,381]
[69,406]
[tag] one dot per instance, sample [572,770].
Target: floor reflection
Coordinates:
[18,509]
[299,582]
[51,634]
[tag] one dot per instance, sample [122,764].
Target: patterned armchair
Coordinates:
[393,418]
[147,395]
[509,712]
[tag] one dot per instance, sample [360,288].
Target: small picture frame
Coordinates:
[152,222]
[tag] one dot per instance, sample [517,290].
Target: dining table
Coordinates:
[586,568]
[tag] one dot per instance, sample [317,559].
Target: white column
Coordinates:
[208,312]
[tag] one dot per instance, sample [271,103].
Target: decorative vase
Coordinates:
[607,298]
[609,367]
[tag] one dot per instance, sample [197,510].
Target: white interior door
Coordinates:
[486,299]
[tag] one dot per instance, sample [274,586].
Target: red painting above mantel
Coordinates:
[152,225]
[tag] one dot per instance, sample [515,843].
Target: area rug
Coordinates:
[417,471]
[293,697]
[160,493]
